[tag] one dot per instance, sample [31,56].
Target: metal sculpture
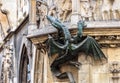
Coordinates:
[68,47]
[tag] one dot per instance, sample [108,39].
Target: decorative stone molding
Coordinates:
[115,70]
[115,67]
[108,40]
[41,47]
[41,11]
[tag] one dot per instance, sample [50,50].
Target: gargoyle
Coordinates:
[68,47]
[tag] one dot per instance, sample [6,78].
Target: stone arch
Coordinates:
[25,51]
[42,72]
[24,69]
[38,67]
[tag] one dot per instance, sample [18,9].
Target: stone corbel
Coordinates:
[41,47]
[115,70]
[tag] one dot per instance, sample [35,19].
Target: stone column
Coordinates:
[84,72]
[47,75]
[45,69]
[40,72]
[33,64]
[75,12]
[32,16]
[14,60]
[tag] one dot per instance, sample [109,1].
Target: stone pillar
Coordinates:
[47,75]
[14,61]
[33,64]
[32,16]
[45,69]
[75,12]
[85,70]
[40,72]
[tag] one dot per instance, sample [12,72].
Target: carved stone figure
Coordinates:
[68,47]
[115,70]
[86,10]
[106,10]
[67,8]
[64,10]
[41,11]
[95,6]
[116,10]
[53,11]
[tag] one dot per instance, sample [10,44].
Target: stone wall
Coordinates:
[103,20]
[90,71]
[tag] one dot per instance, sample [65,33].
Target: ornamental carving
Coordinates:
[86,10]
[115,10]
[108,41]
[68,47]
[115,70]
[89,10]
[61,9]
[41,12]
[65,10]
[100,9]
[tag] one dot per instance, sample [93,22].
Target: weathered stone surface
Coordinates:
[103,23]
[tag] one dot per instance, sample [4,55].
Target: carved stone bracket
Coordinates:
[115,70]
[41,47]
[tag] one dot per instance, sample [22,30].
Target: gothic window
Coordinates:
[24,68]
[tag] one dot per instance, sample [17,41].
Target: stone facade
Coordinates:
[24,56]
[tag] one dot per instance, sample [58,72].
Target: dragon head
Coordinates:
[55,22]
[81,25]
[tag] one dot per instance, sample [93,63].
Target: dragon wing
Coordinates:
[56,47]
[90,47]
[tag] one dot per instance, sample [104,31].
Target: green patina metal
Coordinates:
[68,47]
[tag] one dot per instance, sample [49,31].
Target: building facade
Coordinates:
[25,29]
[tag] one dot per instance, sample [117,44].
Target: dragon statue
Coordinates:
[68,47]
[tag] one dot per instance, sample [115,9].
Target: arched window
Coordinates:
[24,72]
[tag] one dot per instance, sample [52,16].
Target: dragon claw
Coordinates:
[75,64]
